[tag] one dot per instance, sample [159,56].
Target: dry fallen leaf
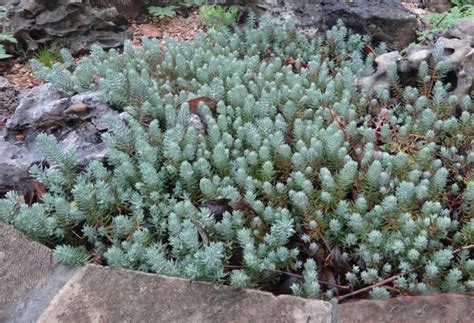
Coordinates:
[202,233]
[39,188]
[194,104]
[150,30]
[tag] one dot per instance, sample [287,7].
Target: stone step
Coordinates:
[35,288]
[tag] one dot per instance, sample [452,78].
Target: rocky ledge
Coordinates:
[35,288]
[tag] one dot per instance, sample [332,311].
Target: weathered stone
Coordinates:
[460,55]
[439,5]
[464,30]
[385,20]
[379,78]
[112,295]
[41,108]
[131,9]
[29,277]
[15,161]
[194,121]
[47,108]
[438,308]
[457,51]
[417,56]
[8,97]
[70,22]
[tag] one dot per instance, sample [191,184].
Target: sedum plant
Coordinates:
[251,159]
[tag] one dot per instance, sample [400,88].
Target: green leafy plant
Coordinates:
[219,17]
[9,38]
[4,37]
[174,6]
[162,12]
[460,3]
[440,22]
[250,158]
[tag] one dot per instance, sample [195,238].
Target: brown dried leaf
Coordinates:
[367,49]
[39,188]
[150,30]
[202,233]
[194,104]
[217,207]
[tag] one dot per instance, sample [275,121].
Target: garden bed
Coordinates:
[257,159]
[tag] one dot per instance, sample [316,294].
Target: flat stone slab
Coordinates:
[448,308]
[104,294]
[29,276]
[35,288]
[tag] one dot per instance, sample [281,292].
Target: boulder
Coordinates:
[458,50]
[68,22]
[74,121]
[438,5]
[384,20]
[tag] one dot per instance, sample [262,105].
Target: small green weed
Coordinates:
[171,10]
[162,12]
[48,56]
[218,17]
[460,3]
[440,22]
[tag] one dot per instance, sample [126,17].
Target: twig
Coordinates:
[469,247]
[293,275]
[380,283]
[390,279]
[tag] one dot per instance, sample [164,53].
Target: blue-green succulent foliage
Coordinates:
[306,162]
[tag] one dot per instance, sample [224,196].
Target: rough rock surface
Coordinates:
[8,97]
[129,8]
[458,44]
[436,308]
[26,271]
[70,22]
[48,108]
[385,20]
[167,299]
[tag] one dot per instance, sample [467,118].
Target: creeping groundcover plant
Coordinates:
[251,159]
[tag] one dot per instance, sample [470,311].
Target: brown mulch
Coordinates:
[20,75]
[178,27]
[415,8]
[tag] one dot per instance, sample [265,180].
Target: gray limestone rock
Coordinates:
[458,51]
[384,20]
[8,97]
[48,108]
[71,23]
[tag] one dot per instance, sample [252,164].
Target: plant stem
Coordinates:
[293,275]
